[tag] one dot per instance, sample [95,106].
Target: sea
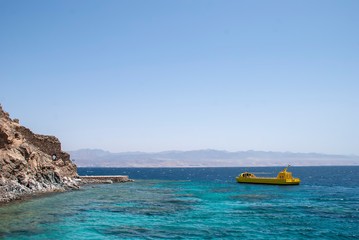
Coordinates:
[193,203]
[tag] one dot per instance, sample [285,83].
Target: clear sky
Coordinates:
[184,75]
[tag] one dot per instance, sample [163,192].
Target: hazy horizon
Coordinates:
[204,149]
[207,158]
[155,76]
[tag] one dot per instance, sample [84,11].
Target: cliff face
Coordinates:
[31,163]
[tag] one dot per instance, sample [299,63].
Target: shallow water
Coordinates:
[194,204]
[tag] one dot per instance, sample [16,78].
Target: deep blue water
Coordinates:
[194,203]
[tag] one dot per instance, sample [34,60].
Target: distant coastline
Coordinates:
[207,158]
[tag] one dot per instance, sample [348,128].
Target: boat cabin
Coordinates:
[284,174]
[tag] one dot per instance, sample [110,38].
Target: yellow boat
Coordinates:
[283,178]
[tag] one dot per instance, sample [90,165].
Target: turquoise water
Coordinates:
[199,208]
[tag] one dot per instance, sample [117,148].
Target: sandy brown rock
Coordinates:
[31,163]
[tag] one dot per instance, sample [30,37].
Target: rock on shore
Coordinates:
[104,179]
[31,163]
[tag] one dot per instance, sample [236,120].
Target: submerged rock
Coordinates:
[31,163]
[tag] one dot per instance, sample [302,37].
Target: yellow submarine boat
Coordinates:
[283,178]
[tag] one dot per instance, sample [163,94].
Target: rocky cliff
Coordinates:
[31,163]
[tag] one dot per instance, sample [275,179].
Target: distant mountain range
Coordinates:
[206,158]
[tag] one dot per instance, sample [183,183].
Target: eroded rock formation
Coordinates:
[31,163]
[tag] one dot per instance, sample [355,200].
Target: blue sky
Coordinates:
[183,75]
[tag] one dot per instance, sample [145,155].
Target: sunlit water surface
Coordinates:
[195,203]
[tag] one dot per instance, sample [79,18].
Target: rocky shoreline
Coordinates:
[32,163]
[104,179]
[13,190]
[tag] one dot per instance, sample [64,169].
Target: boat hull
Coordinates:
[273,181]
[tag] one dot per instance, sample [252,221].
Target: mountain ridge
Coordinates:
[206,158]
